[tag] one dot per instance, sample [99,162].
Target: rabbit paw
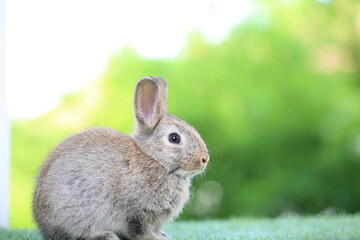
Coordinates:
[153,236]
[164,235]
[106,235]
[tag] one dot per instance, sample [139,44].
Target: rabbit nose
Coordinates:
[205,159]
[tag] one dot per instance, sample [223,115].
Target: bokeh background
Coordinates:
[276,100]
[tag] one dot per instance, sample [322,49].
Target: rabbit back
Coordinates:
[74,184]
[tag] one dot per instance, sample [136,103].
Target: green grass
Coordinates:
[287,228]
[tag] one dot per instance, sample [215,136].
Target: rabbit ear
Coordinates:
[163,87]
[150,101]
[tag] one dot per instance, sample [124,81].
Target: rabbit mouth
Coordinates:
[187,173]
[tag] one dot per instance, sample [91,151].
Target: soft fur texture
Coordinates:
[103,184]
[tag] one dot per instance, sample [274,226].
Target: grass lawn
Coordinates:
[290,228]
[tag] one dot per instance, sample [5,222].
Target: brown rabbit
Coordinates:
[103,184]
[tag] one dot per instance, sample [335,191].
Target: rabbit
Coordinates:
[103,184]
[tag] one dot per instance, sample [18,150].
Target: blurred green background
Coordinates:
[277,103]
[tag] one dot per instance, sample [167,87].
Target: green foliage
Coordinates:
[276,102]
[294,228]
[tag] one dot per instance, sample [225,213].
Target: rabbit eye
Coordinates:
[174,138]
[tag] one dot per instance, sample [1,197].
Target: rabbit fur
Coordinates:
[103,184]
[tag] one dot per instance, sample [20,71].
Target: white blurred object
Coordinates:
[57,47]
[208,198]
[4,129]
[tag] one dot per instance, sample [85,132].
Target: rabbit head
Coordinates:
[172,142]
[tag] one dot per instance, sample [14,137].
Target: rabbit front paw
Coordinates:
[153,236]
[164,235]
[105,235]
